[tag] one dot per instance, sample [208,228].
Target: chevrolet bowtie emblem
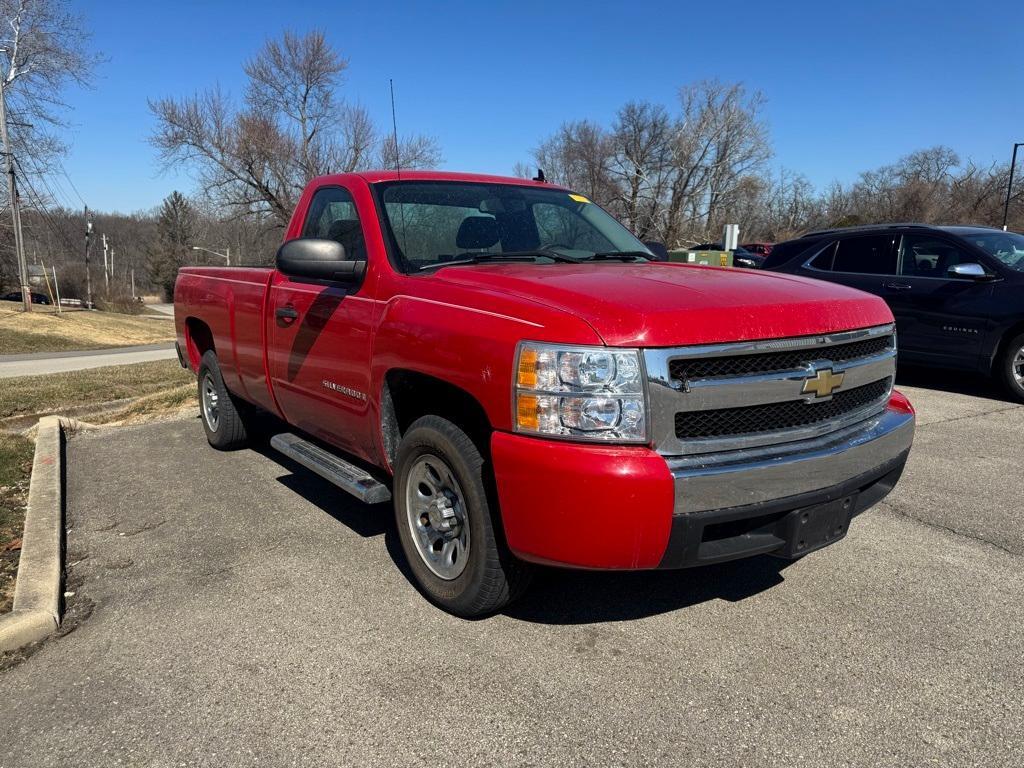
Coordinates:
[823,383]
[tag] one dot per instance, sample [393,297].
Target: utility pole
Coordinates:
[56,287]
[88,274]
[106,274]
[1009,185]
[12,190]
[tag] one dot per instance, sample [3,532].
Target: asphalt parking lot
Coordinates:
[232,609]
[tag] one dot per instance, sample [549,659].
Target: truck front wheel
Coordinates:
[222,416]
[445,523]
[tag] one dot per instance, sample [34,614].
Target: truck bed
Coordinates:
[231,302]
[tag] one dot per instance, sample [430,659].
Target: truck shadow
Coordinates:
[367,520]
[583,597]
[556,596]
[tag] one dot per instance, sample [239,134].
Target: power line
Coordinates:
[44,214]
[61,199]
[73,187]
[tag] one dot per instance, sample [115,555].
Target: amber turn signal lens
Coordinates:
[527,412]
[527,375]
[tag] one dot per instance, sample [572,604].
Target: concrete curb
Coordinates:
[37,593]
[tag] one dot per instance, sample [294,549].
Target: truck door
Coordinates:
[319,338]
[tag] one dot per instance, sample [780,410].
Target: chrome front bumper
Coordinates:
[729,479]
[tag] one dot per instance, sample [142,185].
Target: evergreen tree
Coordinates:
[177,227]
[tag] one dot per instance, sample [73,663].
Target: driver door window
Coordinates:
[332,216]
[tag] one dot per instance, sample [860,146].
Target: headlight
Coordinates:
[583,393]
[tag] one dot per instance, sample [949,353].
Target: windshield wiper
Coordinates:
[617,256]
[477,258]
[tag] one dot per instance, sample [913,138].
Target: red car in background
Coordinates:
[762,249]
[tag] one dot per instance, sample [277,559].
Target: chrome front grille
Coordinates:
[730,396]
[777,416]
[682,369]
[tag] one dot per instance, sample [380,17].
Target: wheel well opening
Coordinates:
[199,340]
[409,395]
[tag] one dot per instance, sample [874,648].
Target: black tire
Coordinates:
[1007,368]
[491,577]
[223,418]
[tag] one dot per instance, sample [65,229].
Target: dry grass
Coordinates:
[15,467]
[162,404]
[43,330]
[55,392]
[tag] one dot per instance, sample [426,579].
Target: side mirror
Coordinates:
[970,270]
[319,259]
[659,250]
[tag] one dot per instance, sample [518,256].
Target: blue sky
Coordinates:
[850,86]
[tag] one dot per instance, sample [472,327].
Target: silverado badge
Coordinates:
[823,383]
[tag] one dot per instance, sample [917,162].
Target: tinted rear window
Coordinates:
[783,252]
[870,255]
[825,258]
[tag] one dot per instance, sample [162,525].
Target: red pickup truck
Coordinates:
[503,358]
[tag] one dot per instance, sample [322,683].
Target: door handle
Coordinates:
[286,315]
[897,286]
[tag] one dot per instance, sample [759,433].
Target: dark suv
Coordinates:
[957,292]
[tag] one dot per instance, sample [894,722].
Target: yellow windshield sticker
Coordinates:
[579,198]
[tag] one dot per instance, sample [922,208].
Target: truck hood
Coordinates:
[661,305]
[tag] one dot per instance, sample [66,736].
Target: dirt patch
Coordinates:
[15,468]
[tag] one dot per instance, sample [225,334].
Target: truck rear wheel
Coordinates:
[445,522]
[221,414]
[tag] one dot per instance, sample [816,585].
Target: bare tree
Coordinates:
[674,178]
[43,50]
[641,163]
[253,160]
[579,155]
[413,152]
[721,138]
[789,207]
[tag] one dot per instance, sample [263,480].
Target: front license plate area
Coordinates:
[815,527]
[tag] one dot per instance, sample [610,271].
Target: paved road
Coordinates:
[59,362]
[243,613]
[166,309]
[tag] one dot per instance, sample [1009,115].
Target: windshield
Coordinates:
[431,223]
[1008,247]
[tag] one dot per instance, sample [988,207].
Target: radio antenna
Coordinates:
[394,129]
[398,168]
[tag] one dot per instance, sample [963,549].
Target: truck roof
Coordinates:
[373,177]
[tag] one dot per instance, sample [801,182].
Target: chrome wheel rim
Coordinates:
[436,511]
[211,410]
[1017,367]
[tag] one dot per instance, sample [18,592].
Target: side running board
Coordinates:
[348,477]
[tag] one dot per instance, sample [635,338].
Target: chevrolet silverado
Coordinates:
[503,361]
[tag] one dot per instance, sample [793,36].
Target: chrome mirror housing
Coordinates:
[970,270]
